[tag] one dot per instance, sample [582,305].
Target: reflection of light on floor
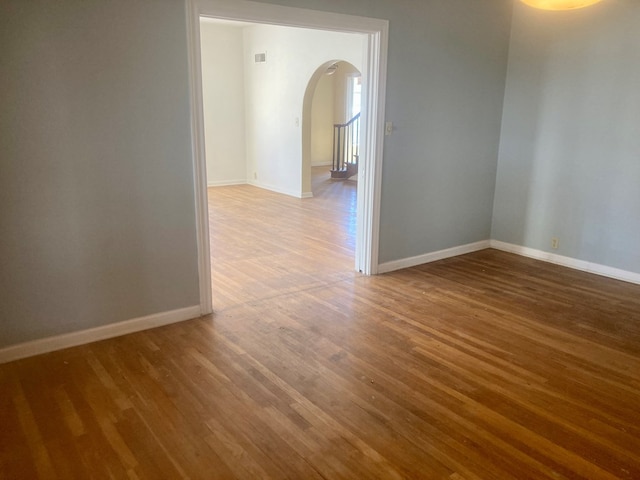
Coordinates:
[341,196]
[351,216]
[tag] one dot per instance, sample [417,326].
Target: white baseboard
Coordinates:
[58,342]
[272,188]
[307,195]
[570,262]
[322,164]
[49,344]
[432,257]
[225,183]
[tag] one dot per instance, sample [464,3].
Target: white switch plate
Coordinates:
[388,128]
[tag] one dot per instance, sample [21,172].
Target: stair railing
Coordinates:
[346,142]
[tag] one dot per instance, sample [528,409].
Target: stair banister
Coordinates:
[346,140]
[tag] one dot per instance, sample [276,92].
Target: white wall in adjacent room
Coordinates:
[274,97]
[223,102]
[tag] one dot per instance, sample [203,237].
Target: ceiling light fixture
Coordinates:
[331,69]
[559,4]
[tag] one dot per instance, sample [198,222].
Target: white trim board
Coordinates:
[225,183]
[72,339]
[271,188]
[569,262]
[582,265]
[291,193]
[432,257]
[199,159]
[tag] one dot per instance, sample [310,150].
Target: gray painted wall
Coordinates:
[570,149]
[96,183]
[447,67]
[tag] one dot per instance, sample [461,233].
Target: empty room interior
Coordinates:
[193,286]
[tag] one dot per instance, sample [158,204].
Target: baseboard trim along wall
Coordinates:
[275,189]
[291,193]
[49,344]
[432,257]
[570,262]
[225,183]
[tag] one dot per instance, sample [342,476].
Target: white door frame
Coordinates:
[374,88]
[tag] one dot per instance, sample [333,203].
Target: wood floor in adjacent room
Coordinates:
[484,366]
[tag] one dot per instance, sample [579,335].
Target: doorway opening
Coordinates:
[332,117]
[373,83]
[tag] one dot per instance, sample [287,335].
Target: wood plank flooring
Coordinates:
[264,244]
[484,366]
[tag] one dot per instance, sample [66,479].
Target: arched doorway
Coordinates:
[332,99]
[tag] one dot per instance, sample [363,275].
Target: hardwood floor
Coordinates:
[484,366]
[265,244]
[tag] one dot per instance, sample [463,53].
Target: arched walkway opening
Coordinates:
[330,120]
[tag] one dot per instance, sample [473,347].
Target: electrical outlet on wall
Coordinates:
[555,242]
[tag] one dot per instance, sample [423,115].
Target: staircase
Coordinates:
[346,145]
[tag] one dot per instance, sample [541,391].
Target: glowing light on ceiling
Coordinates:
[559,4]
